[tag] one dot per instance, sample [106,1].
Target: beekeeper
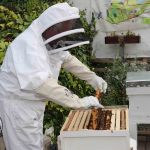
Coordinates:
[30,71]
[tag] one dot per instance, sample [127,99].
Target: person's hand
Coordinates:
[91,101]
[99,84]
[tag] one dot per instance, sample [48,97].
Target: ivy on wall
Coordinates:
[9,27]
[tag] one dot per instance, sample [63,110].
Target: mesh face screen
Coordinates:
[62,27]
[68,40]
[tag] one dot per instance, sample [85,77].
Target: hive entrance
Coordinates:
[143,136]
[97,119]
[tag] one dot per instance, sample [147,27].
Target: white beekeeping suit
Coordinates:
[30,72]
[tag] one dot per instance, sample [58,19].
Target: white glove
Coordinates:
[73,65]
[91,101]
[99,84]
[52,91]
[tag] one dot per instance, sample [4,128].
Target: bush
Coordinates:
[116,79]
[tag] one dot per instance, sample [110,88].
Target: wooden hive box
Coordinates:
[92,129]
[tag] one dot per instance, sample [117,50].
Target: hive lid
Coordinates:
[135,79]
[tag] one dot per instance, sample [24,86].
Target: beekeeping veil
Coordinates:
[62,28]
[29,50]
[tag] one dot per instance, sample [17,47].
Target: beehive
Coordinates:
[138,91]
[96,129]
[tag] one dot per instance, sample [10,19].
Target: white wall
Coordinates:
[100,49]
[83,5]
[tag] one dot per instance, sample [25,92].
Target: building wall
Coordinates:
[100,49]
